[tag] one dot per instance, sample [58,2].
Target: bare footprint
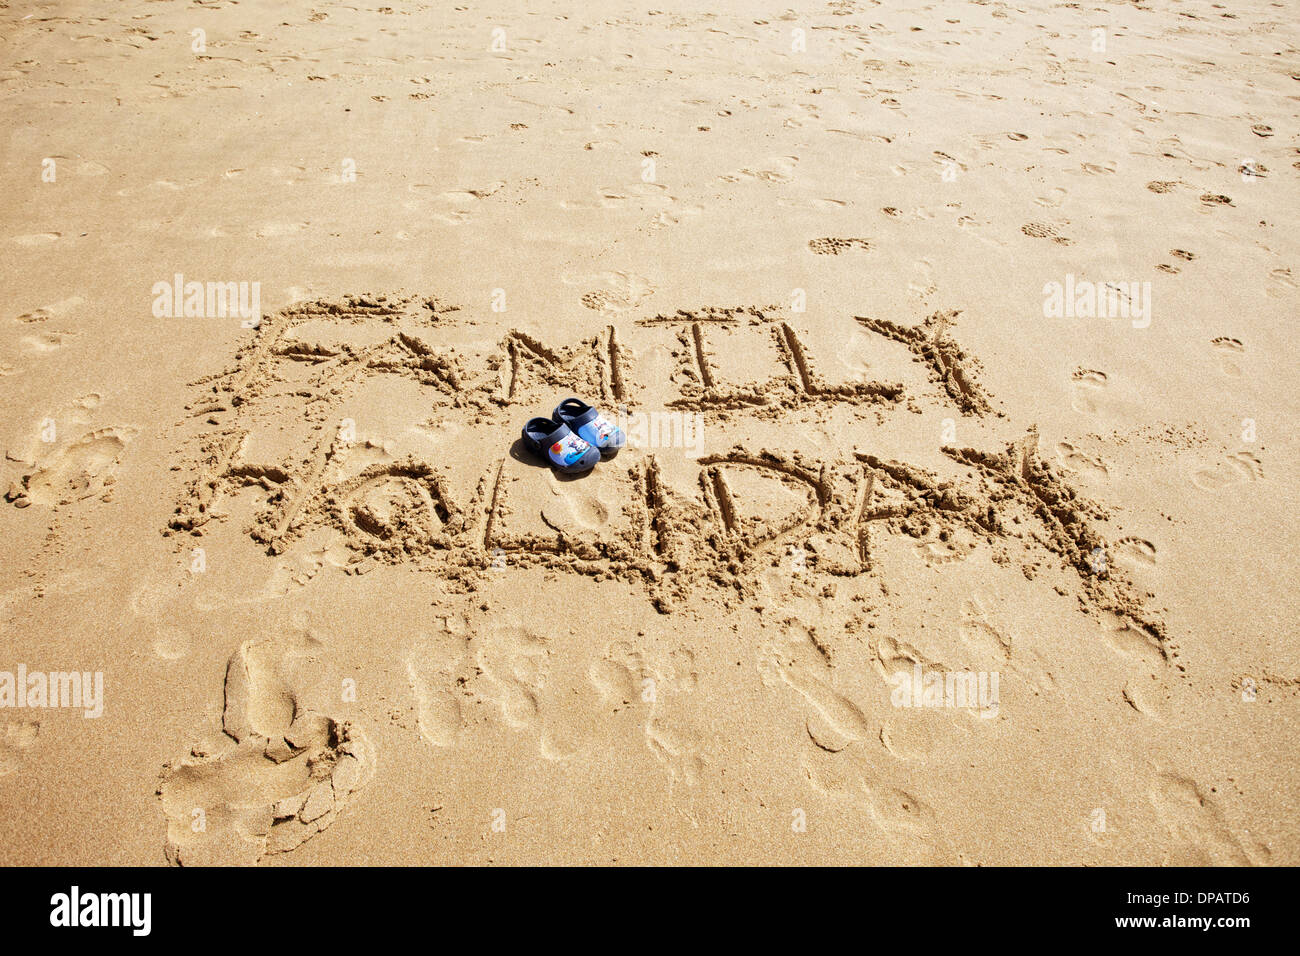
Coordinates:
[625,291]
[288,775]
[1055,196]
[617,676]
[978,632]
[1283,284]
[893,809]
[1133,642]
[797,660]
[37,238]
[55,310]
[1229,351]
[1148,697]
[433,667]
[1090,467]
[677,746]
[922,282]
[1135,552]
[515,660]
[1234,469]
[1197,832]
[994,642]
[1088,384]
[939,553]
[81,469]
[45,340]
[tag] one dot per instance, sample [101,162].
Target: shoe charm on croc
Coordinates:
[591,425]
[558,444]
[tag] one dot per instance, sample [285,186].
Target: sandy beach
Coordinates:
[956,523]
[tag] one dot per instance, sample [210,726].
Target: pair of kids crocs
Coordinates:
[575,437]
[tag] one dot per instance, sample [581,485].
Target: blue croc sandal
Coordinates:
[557,443]
[591,425]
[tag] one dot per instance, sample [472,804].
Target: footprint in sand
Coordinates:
[895,810]
[1135,552]
[797,660]
[624,682]
[589,511]
[680,673]
[1283,284]
[624,291]
[287,776]
[75,471]
[993,641]
[938,553]
[277,230]
[515,660]
[171,642]
[676,744]
[1090,467]
[1198,833]
[1148,696]
[37,238]
[1097,169]
[1053,199]
[618,676]
[1234,469]
[1229,351]
[1088,386]
[1133,642]
[16,738]
[922,282]
[778,169]
[55,310]
[436,667]
[60,470]
[979,633]
[38,343]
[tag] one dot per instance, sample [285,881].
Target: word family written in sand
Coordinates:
[707,509]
